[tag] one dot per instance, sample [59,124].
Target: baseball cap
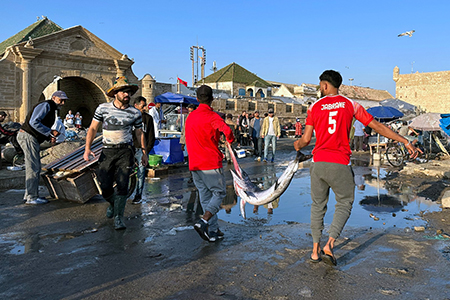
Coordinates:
[60,94]
[151,104]
[2,113]
[270,110]
[204,93]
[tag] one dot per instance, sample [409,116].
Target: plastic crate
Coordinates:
[154,160]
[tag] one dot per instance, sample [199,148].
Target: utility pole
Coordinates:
[196,58]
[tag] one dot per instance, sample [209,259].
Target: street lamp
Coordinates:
[351,81]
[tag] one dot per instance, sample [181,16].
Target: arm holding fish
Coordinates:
[305,139]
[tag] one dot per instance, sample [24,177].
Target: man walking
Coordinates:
[255,129]
[117,157]
[270,132]
[35,130]
[148,130]
[331,119]
[203,130]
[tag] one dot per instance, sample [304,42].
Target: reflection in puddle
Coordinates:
[378,203]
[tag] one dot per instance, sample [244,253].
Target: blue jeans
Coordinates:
[267,140]
[212,190]
[140,173]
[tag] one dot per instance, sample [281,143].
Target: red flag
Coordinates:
[182,82]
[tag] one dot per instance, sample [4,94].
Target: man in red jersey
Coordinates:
[331,119]
[203,130]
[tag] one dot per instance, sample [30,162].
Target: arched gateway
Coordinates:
[73,60]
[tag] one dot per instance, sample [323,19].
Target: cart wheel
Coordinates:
[394,156]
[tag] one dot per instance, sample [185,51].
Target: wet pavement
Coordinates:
[65,250]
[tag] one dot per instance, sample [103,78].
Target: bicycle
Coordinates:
[397,154]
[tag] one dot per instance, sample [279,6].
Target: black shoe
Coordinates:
[216,235]
[137,199]
[202,229]
[190,180]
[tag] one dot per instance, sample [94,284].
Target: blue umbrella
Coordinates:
[385,113]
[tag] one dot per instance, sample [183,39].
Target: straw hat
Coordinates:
[121,83]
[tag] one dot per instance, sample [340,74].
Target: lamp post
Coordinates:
[351,81]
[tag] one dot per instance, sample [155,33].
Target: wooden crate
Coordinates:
[79,187]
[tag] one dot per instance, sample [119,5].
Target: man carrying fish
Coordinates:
[331,119]
[203,130]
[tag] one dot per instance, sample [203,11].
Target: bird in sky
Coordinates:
[408,33]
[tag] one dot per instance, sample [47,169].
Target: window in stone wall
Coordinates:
[230,105]
[271,106]
[288,108]
[241,92]
[251,106]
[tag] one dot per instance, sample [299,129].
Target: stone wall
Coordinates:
[430,91]
[8,88]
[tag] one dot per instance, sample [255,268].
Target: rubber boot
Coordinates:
[119,208]
[110,209]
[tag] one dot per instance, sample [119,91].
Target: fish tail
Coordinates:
[242,207]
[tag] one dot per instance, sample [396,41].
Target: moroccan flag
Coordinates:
[182,82]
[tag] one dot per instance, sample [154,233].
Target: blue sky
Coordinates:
[285,41]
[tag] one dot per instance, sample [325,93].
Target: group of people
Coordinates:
[262,131]
[330,118]
[72,120]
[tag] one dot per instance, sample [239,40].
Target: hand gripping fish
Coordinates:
[251,193]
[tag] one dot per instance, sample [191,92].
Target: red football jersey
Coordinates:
[331,117]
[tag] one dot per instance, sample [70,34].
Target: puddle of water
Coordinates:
[374,206]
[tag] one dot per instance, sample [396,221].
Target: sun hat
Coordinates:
[121,83]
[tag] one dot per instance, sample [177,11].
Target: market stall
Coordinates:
[168,145]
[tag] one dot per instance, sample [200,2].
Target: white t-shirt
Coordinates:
[271,130]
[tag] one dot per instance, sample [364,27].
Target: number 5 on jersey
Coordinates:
[332,122]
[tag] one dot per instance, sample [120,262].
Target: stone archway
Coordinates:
[84,97]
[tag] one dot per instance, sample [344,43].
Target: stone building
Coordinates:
[44,57]
[238,81]
[429,91]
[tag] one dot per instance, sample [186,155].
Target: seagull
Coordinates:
[408,33]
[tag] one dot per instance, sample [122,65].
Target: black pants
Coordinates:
[115,165]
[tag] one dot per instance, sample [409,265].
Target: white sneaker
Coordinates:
[259,158]
[37,201]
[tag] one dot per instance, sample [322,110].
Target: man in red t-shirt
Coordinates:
[331,118]
[203,130]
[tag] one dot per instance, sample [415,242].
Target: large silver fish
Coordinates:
[251,193]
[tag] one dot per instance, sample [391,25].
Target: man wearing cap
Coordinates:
[35,130]
[203,131]
[118,118]
[255,130]
[270,132]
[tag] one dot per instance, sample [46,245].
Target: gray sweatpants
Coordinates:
[340,179]
[212,190]
[31,149]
